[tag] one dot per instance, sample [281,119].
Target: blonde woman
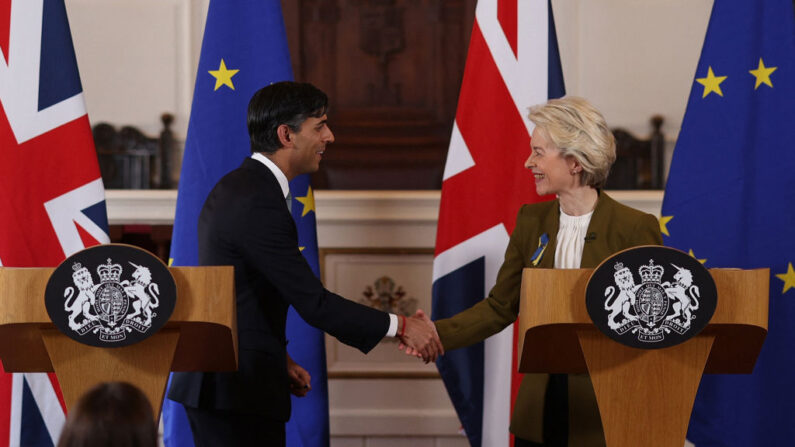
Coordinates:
[572,152]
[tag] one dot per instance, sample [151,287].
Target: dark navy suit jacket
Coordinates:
[245,223]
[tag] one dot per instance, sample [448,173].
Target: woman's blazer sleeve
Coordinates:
[501,307]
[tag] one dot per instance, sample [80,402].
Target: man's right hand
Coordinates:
[419,335]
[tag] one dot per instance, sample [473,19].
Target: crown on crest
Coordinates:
[620,269]
[78,269]
[109,272]
[651,272]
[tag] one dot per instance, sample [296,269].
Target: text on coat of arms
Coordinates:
[653,308]
[113,307]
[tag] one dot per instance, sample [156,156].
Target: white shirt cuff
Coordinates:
[393,326]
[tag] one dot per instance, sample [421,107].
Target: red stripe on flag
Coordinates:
[38,170]
[6,383]
[493,190]
[507,15]
[57,387]
[5,26]
[33,173]
[88,240]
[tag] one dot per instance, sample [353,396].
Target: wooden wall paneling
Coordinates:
[290,11]
[392,70]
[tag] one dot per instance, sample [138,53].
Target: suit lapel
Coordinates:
[594,247]
[549,225]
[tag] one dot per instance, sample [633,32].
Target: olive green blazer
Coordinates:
[613,227]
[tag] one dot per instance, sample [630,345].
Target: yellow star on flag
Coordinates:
[301,248]
[223,76]
[308,200]
[762,74]
[711,83]
[663,222]
[788,278]
[690,252]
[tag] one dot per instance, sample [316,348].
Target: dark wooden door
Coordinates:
[392,70]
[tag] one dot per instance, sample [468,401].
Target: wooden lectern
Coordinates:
[201,335]
[644,396]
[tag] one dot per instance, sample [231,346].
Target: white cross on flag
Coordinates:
[52,201]
[512,64]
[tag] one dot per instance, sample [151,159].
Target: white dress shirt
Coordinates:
[260,157]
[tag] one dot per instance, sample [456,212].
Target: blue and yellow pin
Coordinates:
[543,241]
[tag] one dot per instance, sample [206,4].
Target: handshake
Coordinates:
[418,337]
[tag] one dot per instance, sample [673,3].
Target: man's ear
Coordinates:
[283,132]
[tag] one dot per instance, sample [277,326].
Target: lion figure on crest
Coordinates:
[144,291]
[82,303]
[625,299]
[685,294]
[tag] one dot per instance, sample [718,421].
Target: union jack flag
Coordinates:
[512,64]
[52,201]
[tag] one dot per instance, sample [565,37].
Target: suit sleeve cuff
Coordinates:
[393,325]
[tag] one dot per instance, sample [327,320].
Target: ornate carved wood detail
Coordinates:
[382,35]
[392,70]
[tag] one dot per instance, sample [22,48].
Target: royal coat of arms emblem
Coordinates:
[120,305]
[666,302]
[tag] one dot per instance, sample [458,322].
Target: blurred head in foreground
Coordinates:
[110,414]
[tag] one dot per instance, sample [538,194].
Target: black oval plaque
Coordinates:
[110,295]
[651,297]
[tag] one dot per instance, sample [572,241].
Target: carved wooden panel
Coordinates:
[392,70]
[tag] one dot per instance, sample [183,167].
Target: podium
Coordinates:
[201,335]
[644,396]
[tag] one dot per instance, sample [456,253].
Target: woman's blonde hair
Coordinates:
[580,131]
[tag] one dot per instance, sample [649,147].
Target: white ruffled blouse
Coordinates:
[571,239]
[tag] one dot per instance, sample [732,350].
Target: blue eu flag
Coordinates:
[730,202]
[244,49]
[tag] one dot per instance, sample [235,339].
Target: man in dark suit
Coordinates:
[245,222]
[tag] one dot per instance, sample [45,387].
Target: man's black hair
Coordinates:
[289,103]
